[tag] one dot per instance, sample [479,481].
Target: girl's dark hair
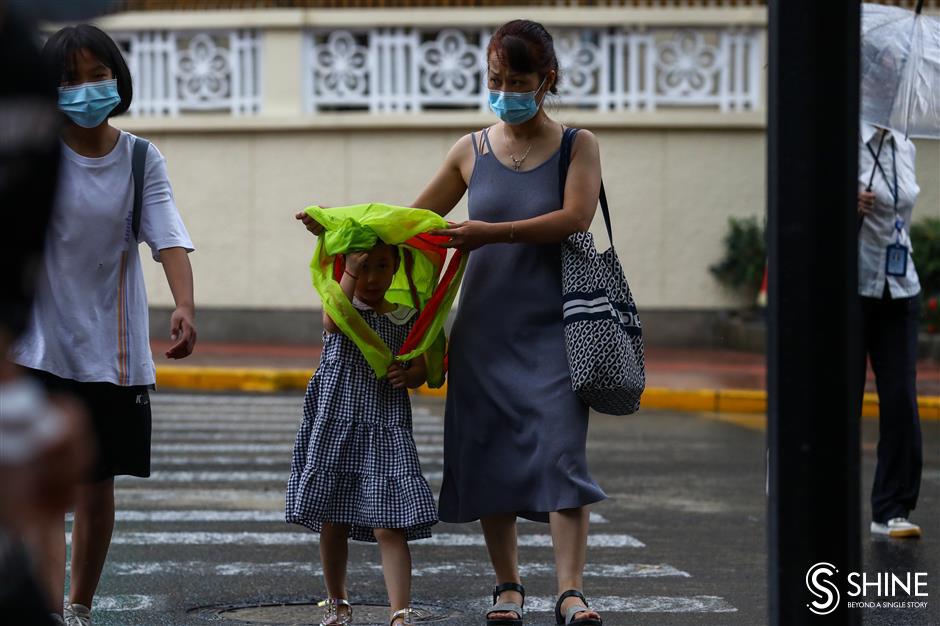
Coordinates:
[59,56]
[395,250]
[525,46]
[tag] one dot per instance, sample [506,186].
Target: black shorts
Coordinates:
[120,419]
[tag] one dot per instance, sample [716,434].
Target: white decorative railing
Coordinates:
[620,69]
[193,71]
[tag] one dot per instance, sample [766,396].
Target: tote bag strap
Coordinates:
[564,158]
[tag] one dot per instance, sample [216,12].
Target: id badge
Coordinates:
[896,261]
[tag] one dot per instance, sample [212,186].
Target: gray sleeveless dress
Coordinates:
[515,432]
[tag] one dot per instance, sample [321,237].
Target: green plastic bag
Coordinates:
[359,227]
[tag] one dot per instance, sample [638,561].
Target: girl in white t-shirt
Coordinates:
[88,332]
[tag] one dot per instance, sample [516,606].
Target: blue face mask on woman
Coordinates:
[515,108]
[89,104]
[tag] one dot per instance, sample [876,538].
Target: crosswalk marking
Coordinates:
[165,426]
[128,602]
[288,437]
[244,447]
[238,515]
[310,568]
[235,460]
[637,604]
[225,477]
[219,464]
[217,538]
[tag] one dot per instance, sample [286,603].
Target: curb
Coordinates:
[272,380]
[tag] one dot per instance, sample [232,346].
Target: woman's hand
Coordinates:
[470,235]
[312,225]
[866,202]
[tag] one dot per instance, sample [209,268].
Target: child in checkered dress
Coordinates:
[355,470]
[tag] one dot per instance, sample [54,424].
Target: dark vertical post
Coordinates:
[813,350]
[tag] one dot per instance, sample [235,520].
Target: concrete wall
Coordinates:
[671,191]
[673,176]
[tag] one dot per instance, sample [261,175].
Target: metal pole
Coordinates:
[813,348]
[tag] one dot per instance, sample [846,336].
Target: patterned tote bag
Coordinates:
[603,335]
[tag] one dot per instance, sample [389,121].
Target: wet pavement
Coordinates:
[681,539]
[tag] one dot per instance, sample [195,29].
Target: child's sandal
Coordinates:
[506,607]
[406,615]
[332,615]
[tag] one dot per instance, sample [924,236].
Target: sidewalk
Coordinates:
[678,379]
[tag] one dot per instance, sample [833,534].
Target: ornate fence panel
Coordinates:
[607,69]
[193,71]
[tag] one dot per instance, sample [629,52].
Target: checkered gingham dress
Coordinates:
[355,460]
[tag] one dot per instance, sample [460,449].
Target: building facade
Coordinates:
[263,111]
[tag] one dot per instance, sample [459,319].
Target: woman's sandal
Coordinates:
[506,607]
[332,616]
[567,619]
[406,616]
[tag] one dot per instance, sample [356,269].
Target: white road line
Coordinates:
[185,436]
[129,602]
[206,477]
[465,568]
[291,427]
[288,538]
[217,515]
[249,447]
[217,447]
[168,425]
[236,399]
[224,477]
[240,460]
[262,417]
[235,460]
[196,516]
[636,604]
[133,495]
[594,518]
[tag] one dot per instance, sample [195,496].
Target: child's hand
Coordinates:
[354,261]
[397,376]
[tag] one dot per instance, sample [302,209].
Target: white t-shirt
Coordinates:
[89,321]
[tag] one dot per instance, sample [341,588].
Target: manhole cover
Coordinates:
[308,613]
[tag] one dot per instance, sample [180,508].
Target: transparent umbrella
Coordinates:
[900,65]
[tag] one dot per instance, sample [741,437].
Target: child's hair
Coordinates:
[394,249]
[59,56]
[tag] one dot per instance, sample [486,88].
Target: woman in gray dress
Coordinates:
[515,432]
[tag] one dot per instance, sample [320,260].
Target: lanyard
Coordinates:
[895,191]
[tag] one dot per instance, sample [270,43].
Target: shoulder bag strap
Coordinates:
[567,140]
[138,164]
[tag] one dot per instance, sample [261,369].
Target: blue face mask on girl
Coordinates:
[89,104]
[515,108]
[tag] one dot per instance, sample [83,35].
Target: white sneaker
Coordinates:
[897,527]
[77,615]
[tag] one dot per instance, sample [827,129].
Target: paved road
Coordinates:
[680,541]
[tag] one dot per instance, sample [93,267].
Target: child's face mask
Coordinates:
[515,108]
[89,104]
